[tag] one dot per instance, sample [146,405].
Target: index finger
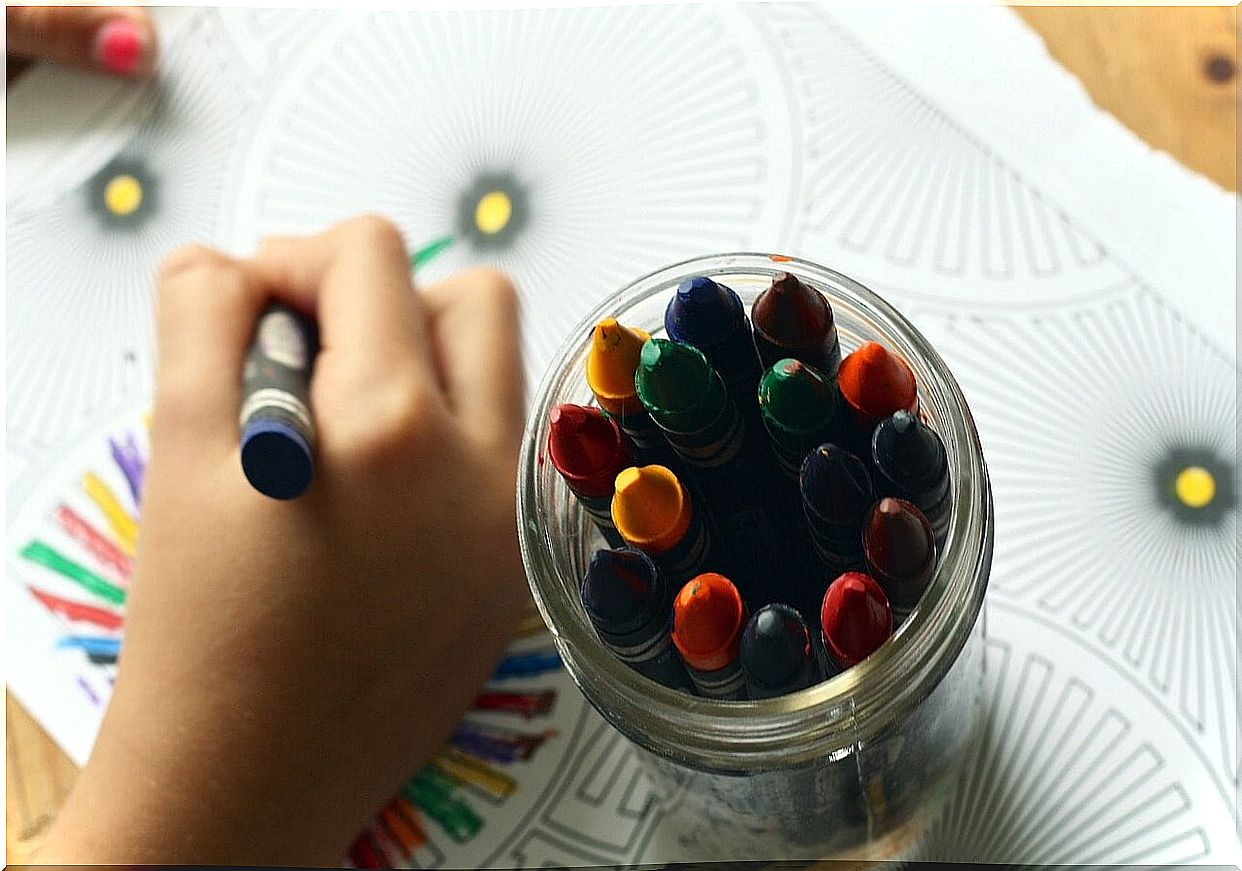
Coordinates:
[355,278]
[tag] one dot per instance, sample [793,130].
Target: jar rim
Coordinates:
[835,715]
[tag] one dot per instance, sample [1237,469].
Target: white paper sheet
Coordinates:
[1080,286]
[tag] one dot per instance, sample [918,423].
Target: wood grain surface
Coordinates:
[1167,73]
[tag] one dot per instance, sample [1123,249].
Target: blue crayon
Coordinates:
[278,432]
[910,462]
[712,318]
[630,605]
[836,495]
[777,654]
[527,664]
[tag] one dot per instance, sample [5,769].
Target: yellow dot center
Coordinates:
[493,212]
[1195,486]
[123,195]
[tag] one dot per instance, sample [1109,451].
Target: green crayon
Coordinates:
[799,408]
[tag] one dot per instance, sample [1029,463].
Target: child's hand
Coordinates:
[114,39]
[287,665]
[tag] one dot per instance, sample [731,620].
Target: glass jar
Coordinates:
[852,767]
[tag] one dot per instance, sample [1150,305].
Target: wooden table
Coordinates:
[1167,73]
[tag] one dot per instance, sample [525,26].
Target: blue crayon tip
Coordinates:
[836,484]
[276,458]
[775,645]
[621,588]
[703,312]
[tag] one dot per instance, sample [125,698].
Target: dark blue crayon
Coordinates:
[278,432]
[910,462]
[836,495]
[526,664]
[712,318]
[630,605]
[776,653]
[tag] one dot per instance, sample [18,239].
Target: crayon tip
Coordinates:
[650,508]
[610,364]
[703,312]
[276,458]
[900,550]
[621,587]
[877,382]
[855,617]
[796,397]
[708,617]
[790,313]
[835,484]
[775,645]
[586,448]
[909,450]
[672,375]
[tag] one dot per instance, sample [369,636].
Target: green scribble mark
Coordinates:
[430,251]
[432,793]
[40,553]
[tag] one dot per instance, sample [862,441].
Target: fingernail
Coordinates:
[120,47]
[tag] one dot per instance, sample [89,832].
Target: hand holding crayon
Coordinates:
[343,632]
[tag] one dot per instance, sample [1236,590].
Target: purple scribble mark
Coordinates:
[131,462]
[89,692]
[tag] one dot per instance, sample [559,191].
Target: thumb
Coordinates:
[116,39]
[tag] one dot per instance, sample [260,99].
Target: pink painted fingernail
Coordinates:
[120,46]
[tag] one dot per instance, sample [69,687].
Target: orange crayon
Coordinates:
[875,383]
[708,619]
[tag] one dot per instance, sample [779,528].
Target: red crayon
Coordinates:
[875,383]
[589,450]
[855,618]
[708,619]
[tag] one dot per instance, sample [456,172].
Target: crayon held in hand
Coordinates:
[793,319]
[610,367]
[776,653]
[628,603]
[589,451]
[910,461]
[836,493]
[708,618]
[278,433]
[711,317]
[855,619]
[799,407]
[874,383]
[654,513]
[900,551]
